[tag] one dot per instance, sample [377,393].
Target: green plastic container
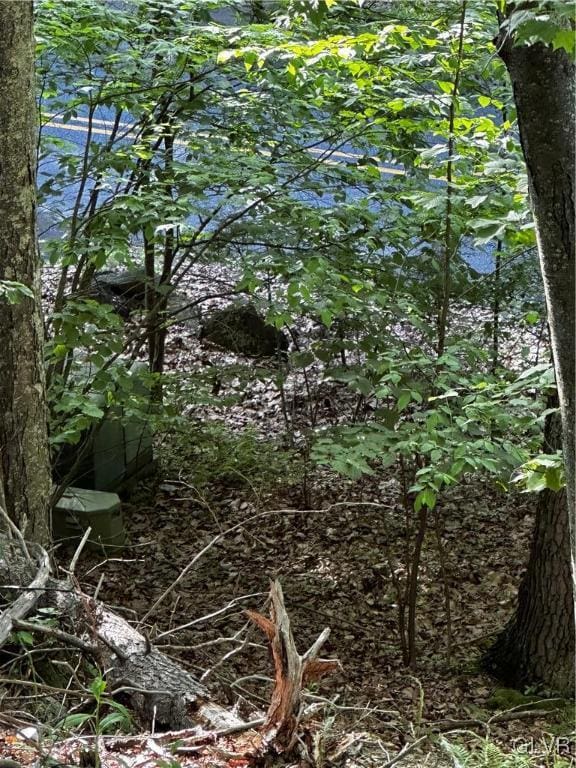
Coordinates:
[79,508]
[118,453]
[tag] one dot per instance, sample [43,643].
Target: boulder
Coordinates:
[240,329]
[125,290]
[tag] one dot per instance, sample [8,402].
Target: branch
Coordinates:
[27,600]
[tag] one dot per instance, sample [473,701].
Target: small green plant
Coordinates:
[540,472]
[487,754]
[44,617]
[117,717]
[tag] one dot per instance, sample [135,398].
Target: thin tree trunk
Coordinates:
[450,244]
[496,307]
[24,460]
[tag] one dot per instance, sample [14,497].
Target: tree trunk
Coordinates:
[543,81]
[537,646]
[24,460]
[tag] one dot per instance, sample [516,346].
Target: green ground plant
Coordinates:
[211,454]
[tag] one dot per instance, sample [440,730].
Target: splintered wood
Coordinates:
[292,672]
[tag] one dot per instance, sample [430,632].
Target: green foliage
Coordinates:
[504,699]
[116,719]
[389,91]
[212,454]
[487,754]
[457,422]
[552,24]
[14,292]
[87,376]
[542,471]
[342,158]
[44,617]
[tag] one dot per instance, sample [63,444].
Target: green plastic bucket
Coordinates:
[80,508]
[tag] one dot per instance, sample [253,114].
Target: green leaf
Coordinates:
[76,720]
[564,38]
[111,720]
[535,482]
[396,105]
[403,400]
[484,101]
[430,152]
[445,86]
[26,638]
[535,369]
[14,291]
[487,230]
[476,200]
[92,410]
[97,687]
[302,359]
[387,416]
[60,350]
[427,498]
[532,317]
[363,385]
[224,56]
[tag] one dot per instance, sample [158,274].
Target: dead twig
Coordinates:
[13,528]
[258,516]
[79,548]
[63,637]
[232,652]
[208,616]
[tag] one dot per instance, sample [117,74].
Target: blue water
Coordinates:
[55,209]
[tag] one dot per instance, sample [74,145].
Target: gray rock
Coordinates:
[125,290]
[240,329]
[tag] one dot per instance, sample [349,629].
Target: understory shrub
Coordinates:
[209,453]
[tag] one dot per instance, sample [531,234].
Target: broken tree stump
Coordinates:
[292,672]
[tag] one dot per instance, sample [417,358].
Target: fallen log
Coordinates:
[163,695]
[158,689]
[26,601]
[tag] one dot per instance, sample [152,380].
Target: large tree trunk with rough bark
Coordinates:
[544,84]
[537,646]
[24,460]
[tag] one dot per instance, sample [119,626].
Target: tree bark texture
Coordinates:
[544,87]
[537,646]
[24,459]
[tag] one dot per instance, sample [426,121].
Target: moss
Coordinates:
[508,698]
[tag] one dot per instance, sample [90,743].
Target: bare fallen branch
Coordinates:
[25,603]
[64,637]
[258,516]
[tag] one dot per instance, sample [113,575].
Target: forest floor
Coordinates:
[337,546]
